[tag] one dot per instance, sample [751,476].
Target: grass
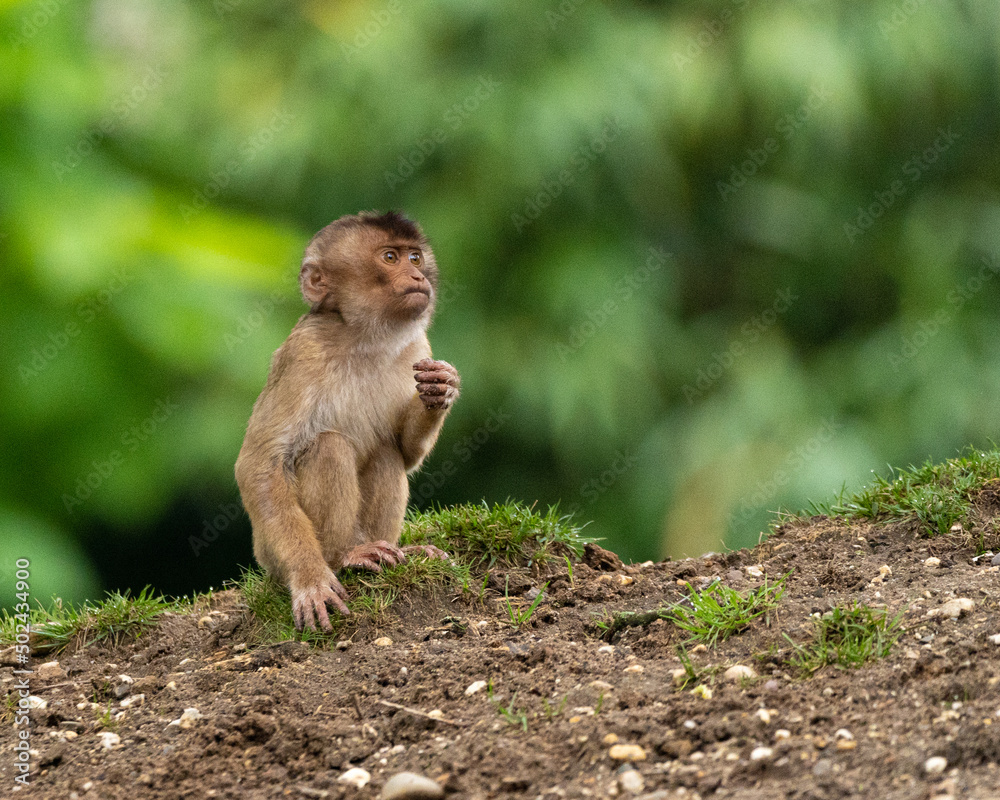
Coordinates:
[518,717]
[709,615]
[521,616]
[504,535]
[847,637]
[118,617]
[937,495]
[477,537]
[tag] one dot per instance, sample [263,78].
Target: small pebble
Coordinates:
[608,649]
[933,561]
[635,668]
[781,734]
[995,638]
[935,765]
[755,572]
[764,716]
[381,641]
[49,670]
[601,686]
[343,644]
[679,676]
[626,580]
[134,700]
[109,740]
[953,609]
[843,733]
[995,561]
[411,786]
[627,752]
[822,768]
[846,744]
[739,672]
[631,781]
[356,777]
[761,754]
[37,703]
[610,739]
[474,687]
[772,685]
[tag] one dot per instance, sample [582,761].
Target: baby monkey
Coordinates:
[353,402]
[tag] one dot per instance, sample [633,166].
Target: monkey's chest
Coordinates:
[365,406]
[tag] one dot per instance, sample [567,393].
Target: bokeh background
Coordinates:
[701,260]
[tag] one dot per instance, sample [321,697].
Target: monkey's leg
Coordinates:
[384,492]
[327,475]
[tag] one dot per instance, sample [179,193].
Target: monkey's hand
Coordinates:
[427,551]
[437,383]
[309,602]
[372,555]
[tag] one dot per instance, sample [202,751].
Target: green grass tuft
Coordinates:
[110,621]
[847,637]
[938,495]
[719,611]
[504,535]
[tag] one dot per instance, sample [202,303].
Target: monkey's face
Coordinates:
[399,275]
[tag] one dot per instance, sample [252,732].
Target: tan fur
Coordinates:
[322,471]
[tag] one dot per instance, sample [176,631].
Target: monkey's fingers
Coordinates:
[430,363]
[434,388]
[438,376]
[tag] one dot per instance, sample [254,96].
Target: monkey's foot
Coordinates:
[372,555]
[427,551]
[309,603]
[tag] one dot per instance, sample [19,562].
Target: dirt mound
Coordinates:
[570,706]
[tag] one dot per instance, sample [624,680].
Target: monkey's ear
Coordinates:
[313,282]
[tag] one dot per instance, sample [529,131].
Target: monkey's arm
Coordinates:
[437,389]
[285,541]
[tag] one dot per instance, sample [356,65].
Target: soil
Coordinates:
[288,720]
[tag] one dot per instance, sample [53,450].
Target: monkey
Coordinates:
[353,402]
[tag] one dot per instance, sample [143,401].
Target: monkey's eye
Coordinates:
[390,257]
[415,258]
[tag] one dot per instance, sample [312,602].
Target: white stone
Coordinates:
[739,672]
[932,562]
[135,700]
[381,641]
[935,765]
[411,786]
[188,718]
[474,687]
[755,571]
[995,638]
[608,649]
[782,734]
[635,668]
[356,777]
[954,608]
[762,754]
[631,781]
[843,733]
[37,702]
[109,740]
[764,716]
[49,670]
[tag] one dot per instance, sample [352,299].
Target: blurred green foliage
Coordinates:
[700,260]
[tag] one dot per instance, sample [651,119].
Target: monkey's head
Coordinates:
[369,268]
